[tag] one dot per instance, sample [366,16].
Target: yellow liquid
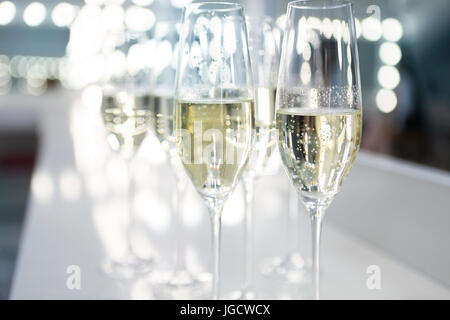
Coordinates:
[214,140]
[265,131]
[318,148]
[126,118]
[162,110]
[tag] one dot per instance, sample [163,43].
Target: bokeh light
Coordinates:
[390,53]
[63,14]
[92,96]
[281,21]
[34,86]
[34,14]
[371,29]
[388,77]
[139,19]
[358,28]
[5,75]
[42,186]
[113,17]
[327,28]
[7,12]
[392,29]
[386,100]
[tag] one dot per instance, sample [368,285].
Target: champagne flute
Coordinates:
[264,57]
[182,283]
[126,116]
[319,116]
[214,115]
[290,266]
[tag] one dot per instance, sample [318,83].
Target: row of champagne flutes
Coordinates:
[223,101]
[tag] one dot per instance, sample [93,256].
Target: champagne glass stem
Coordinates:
[316,229]
[249,184]
[216,213]
[180,186]
[129,206]
[292,221]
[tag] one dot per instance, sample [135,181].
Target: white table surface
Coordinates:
[76,198]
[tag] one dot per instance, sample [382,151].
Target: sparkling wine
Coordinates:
[318,148]
[214,141]
[264,134]
[126,117]
[162,111]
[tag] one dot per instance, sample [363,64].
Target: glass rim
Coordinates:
[323,4]
[220,6]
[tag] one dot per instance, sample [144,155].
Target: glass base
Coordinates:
[128,268]
[183,285]
[291,268]
[244,294]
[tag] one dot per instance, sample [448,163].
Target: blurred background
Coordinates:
[54,47]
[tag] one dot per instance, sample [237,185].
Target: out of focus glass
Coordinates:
[127,118]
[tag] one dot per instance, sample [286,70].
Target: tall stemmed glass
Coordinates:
[290,266]
[126,115]
[214,115]
[264,57]
[319,105]
[181,283]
